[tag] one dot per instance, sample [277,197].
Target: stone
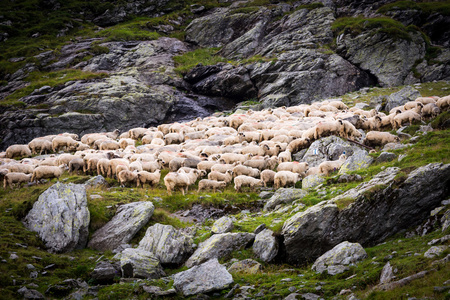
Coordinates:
[394,146]
[387,274]
[65,287]
[169,245]
[435,251]
[105,272]
[260,228]
[128,220]
[218,246]
[359,160]
[246,266]
[445,220]
[337,260]
[399,98]
[138,263]
[385,157]
[207,277]
[96,182]
[222,225]
[30,293]
[311,181]
[284,196]
[265,195]
[349,178]
[265,245]
[61,217]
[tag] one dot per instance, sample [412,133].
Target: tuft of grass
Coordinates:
[206,56]
[427,8]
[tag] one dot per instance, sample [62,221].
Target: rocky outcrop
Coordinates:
[358,161]
[61,217]
[265,246]
[376,213]
[399,98]
[284,196]
[169,245]
[312,181]
[207,277]
[138,263]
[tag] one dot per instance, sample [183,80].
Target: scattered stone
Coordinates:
[246,266]
[157,291]
[399,98]
[265,195]
[445,220]
[65,287]
[434,251]
[286,280]
[30,293]
[265,245]
[138,263]
[385,157]
[207,277]
[387,273]
[312,181]
[30,267]
[105,272]
[311,296]
[349,178]
[96,182]
[13,256]
[284,196]
[231,292]
[34,275]
[222,225]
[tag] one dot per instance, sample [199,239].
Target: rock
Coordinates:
[260,228]
[138,263]
[378,211]
[158,292]
[349,178]
[265,246]
[337,260]
[284,196]
[435,251]
[96,182]
[387,274]
[13,256]
[218,246]
[222,225]
[105,272]
[394,146]
[207,277]
[30,293]
[128,220]
[385,157]
[169,245]
[359,160]
[399,98]
[312,181]
[445,220]
[246,266]
[61,217]
[65,287]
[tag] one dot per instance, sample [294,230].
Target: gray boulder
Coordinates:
[105,272]
[169,245]
[96,182]
[207,277]
[128,220]
[246,266]
[435,251]
[399,98]
[218,246]
[385,157]
[222,225]
[359,160]
[284,196]
[29,293]
[61,217]
[265,245]
[138,263]
[312,181]
[387,274]
[337,260]
[378,210]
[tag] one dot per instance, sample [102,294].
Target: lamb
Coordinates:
[298,144]
[285,178]
[15,177]
[294,167]
[243,180]
[379,138]
[114,163]
[151,178]
[313,171]
[126,176]
[76,165]
[227,176]
[327,167]
[243,170]
[18,151]
[329,128]
[407,116]
[136,166]
[267,176]
[43,172]
[430,110]
[40,145]
[64,142]
[211,184]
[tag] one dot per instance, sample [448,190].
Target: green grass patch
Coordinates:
[206,56]
[441,121]
[428,8]
[135,30]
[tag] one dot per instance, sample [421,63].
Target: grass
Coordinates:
[426,7]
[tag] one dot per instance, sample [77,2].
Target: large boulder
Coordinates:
[138,263]
[265,245]
[169,245]
[61,217]
[284,196]
[128,220]
[207,277]
[218,246]
[399,98]
[337,260]
[378,209]
[358,161]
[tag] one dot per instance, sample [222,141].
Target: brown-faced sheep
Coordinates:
[379,138]
[243,170]
[243,180]
[146,177]
[18,151]
[126,176]
[227,176]
[285,178]
[328,167]
[12,178]
[267,176]
[44,172]
[298,144]
[205,184]
[294,166]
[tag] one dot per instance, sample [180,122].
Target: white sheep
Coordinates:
[76,165]
[285,156]
[15,177]
[109,145]
[206,165]
[243,180]
[404,117]
[18,151]
[443,103]
[323,129]
[21,168]
[430,110]
[294,166]
[43,172]
[243,170]
[222,168]
[146,177]
[180,180]
[40,145]
[230,158]
[267,176]
[350,130]
[285,178]
[103,166]
[211,184]
[379,138]
[126,176]
[298,144]
[218,176]
[64,142]
[173,138]
[327,167]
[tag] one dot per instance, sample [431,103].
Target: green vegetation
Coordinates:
[428,8]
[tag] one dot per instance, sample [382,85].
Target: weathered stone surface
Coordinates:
[340,257]
[246,266]
[218,246]
[378,211]
[312,181]
[434,251]
[128,220]
[65,287]
[30,293]
[96,182]
[385,157]
[387,274]
[138,263]
[207,277]
[169,245]
[265,246]
[105,272]
[445,220]
[399,98]
[359,160]
[222,225]
[284,196]
[61,217]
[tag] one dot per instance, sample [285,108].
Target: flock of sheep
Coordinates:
[244,148]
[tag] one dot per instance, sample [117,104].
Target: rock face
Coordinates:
[128,220]
[138,263]
[359,160]
[284,196]
[312,181]
[96,182]
[337,260]
[218,246]
[265,246]
[61,217]
[222,225]
[207,277]
[399,98]
[380,209]
[168,244]
[105,272]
